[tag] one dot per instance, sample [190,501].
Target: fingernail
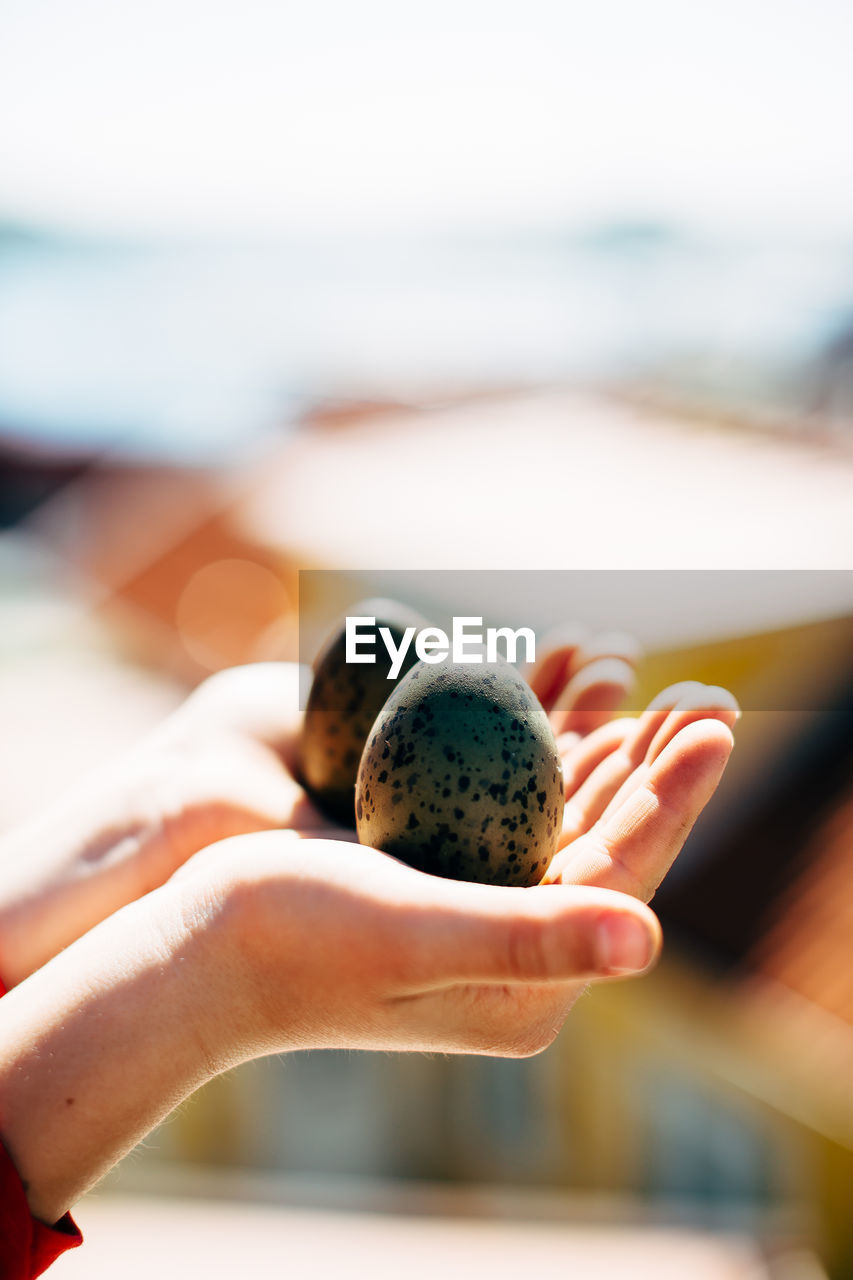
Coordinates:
[623,945]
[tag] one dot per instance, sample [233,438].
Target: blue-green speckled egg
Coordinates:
[461,776]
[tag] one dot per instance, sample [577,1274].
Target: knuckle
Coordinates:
[616,870]
[527,953]
[548,950]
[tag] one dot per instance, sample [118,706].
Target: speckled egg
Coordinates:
[461,776]
[344,701]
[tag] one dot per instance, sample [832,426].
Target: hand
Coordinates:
[399,942]
[386,957]
[277,941]
[224,765]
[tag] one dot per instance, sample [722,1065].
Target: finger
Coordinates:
[581,756]
[480,934]
[655,715]
[592,695]
[613,777]
[600,674]
[587,801]
[548,675]
[607,644]
[632,849]
[697,702]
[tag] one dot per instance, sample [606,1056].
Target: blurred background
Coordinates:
[485,287]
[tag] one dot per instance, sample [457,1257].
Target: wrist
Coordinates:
[249,903]
[204,926]
[212,919]
[99,1045]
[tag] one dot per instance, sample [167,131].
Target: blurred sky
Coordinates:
[249,115]
[281,202]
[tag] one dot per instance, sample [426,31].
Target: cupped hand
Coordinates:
[634,786]
[387,957]
[328,944]
[246,930]
[225,764]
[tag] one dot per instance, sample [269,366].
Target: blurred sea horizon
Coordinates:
[188,348]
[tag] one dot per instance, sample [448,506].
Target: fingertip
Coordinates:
[723,703]
[696,704]
[673,694]
[567,636]
[604,674]
[704,732]
[701,747]
[593,695]
[627,942]
[548,675]
[609,644]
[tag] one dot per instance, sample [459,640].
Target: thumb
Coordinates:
[553,933]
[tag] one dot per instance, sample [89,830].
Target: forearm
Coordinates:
[100,1044]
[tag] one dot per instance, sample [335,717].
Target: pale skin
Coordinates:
[192,909]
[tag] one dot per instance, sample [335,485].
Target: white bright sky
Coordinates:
[254,116]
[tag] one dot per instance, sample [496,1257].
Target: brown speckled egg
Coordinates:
[461,776]
[344,701]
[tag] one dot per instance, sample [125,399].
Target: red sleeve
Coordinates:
[27,1246]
